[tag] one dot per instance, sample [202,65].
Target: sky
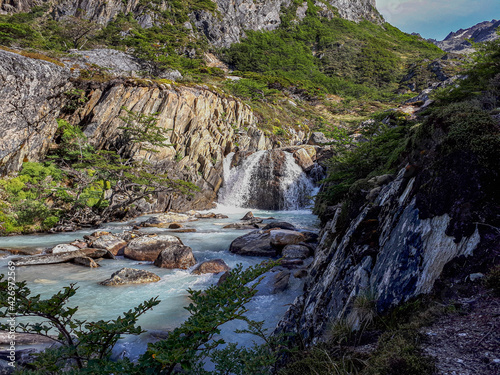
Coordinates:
[437,18]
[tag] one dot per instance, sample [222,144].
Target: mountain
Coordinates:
[458,41]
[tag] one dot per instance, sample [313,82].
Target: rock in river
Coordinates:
[130,276]
[176,256]
[109,242]
[148,248]
[164,220]
[211,266]
[257,243]
[283,237]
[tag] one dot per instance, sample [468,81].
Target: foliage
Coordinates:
[86,345]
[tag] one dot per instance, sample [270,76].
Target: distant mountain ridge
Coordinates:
[458,41]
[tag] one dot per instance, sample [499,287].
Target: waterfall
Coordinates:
[265,180]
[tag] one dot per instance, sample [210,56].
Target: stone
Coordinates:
[130,276]
[280,225]
[147,248]
[283,237]
[109,242]
[174,226]
[240,226]
[317,138]
[300,274]
[281,280]
[164,220]
[79,244]
[62,257]
[256,243]
[303,159]
[183,230]
[248,216]
[296,252]
[291,263]
[476,276]
[211,266]
[176,256]
[64,248]
[85,261]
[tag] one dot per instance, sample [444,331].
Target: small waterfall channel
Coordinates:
[269,180]
[266,176]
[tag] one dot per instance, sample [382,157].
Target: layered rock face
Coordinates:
[389,252]
[31,96]
[222,28]
[241,15]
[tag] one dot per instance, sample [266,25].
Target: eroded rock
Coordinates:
[283,237]
[211,266]
[147,248]
[256,243]
[109,242]
[176,256]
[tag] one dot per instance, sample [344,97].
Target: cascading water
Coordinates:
[266,180]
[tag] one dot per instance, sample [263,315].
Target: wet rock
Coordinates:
[130,276]
[85,261]
[303,159]
[62,257]
[240,226]
[310,237]
[296,252]
[176,256]
[279,224]
[79,244]
[183,230]
[256,243]
[291,263]
[64,248]
[281,280]
[27,251]
[300,274]
[223,278]
[210,215]
[248,216]
[109,242]
[283,237]
[164,220]
[174,226]
[148,248]
[211,266]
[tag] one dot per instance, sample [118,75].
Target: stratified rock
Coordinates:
[283,237]
[62,257]
[296,252]
[64,248]
[109,242]
[256,243]
[85,261]
[164,220]
[176,256]
[130,276]
[148,248]
[281,280]
[280,225]
[211,266]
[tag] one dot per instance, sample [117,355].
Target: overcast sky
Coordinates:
[436,18]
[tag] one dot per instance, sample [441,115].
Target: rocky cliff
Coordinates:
[222,27]
[203,125]
[391,252]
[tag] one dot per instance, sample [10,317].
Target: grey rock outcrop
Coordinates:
[388,250]
[31,97]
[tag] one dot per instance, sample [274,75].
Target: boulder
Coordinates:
[210,215]
[164,220]
[175,226]
[241,226]
[64,248]
[256,243]
[147,248]
[280,283]
[279,224]
[79,244]
[62,257]
[303,159]
[130,276]
[109,242]
[317,138]
[248,216]
[296,252]
[211,266]
[283,237]
[176,256]
[184,230]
